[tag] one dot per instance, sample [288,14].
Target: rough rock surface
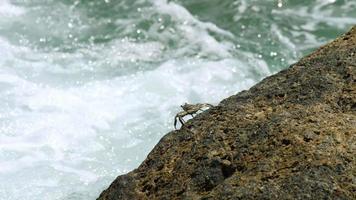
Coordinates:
[292,136]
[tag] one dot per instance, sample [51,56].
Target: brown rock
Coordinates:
[292,136]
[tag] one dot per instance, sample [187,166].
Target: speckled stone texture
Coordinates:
[292,136]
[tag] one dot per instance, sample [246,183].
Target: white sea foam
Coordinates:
[317,15]
[196,32]
[7,9]
[63,127]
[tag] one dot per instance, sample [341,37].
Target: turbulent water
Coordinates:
[87,88]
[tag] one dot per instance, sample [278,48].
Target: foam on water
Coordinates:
[88,89]
[8,10]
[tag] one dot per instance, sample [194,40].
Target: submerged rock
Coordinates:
[292,136]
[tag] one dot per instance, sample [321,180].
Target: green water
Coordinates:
[87,88]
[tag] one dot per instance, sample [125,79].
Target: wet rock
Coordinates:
[292,136]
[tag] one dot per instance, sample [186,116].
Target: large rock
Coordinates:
[292,136]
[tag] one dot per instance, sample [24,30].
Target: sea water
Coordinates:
[87,88]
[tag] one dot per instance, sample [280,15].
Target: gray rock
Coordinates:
[292,136]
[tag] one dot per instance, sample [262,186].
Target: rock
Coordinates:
[292,136]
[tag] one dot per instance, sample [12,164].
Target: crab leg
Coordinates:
[175,123]
[181,120]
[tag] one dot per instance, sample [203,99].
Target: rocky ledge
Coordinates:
[292,136]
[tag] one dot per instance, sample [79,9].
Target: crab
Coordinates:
[189,109]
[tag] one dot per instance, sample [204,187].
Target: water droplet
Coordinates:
[70,25]
[280,4]
[259,35]
[272,54]
[138,31]
[161,27]
[171,30]
[255,8]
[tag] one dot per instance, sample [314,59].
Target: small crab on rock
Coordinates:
[189,109]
